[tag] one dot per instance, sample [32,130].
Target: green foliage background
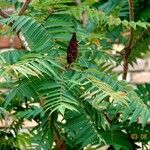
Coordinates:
[84,106]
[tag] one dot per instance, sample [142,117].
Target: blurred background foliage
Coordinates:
[84,106]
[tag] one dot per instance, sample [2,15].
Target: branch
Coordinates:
[84,16]
[60,145]
[139,37]
[128,47]
[24,7]
[3,14]
[21,12]
[78,2]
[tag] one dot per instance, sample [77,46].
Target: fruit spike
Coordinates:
[72,50]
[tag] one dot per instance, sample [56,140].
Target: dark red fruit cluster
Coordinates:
[72,50]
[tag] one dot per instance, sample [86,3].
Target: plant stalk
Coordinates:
[128,47]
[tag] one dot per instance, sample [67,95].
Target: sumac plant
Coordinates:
[46,105]
[72,50]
